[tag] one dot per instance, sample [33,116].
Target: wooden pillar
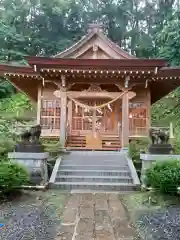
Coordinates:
[125,120]
[63,124]
[39,105]
[70,115]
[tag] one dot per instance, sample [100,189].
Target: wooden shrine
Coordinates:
[93,95]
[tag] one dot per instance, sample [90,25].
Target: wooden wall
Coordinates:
[139,111]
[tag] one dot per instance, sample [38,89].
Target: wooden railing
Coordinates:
[144,131]
[138,126]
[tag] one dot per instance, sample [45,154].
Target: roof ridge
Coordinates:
[83,38]
[103,37]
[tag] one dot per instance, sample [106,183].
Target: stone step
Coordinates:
[105,179]
[95,186]
[94,167]
[78,172]
[93,162]
[103,156]
[97,153]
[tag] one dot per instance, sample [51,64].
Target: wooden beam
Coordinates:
[112,95]
[96,63]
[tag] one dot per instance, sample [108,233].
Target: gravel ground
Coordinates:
[161,225]
[155,219]
[32,217]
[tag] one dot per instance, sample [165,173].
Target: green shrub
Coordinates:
[135,148]
[164,176]
[12,176]
[177,144]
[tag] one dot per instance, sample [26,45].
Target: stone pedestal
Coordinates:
[160,149]
[35,163]
[149,159]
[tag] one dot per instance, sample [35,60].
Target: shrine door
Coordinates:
[86,121]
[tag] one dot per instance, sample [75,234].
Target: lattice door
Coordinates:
[101,120]
[50,114]
[82,119]
[105,117]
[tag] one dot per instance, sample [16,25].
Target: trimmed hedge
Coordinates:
[12,175]
[164,176]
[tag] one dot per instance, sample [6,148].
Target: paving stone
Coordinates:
[102,218]
[87,197]
[123,230]
[101,204]
[104,233]
[113,197]
[69,216]
[65,232]
[101,196]
[84,237]
[116,210]
[86,212]
[73,202]
[85,227]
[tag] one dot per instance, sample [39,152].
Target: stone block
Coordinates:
[116,210]
[122,229]
[104,233]
[102,218]
[85,227]
[65,232]
[101,204]
[86,212]
[69,216]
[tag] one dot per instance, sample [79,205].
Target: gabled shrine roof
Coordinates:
[76,66]
[95,31]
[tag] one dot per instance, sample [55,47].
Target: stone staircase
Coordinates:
[95,170]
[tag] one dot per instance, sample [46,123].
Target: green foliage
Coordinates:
[12,176]
[6,145]
[136,147]
[16,103]
[6,89]
[14,111]
[164,176]
[169,40]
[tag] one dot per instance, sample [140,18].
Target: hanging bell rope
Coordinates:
[97,106]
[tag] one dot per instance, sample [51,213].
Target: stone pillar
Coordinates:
[63,121]
[125,120]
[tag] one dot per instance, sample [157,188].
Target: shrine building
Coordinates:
[93,95]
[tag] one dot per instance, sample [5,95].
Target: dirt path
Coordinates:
[95,216]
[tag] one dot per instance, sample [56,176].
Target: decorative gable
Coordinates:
[95,45]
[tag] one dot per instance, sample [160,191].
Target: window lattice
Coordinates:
[50,114]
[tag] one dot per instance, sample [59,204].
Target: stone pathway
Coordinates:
[98,216]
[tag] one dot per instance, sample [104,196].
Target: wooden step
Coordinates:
[80,142]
